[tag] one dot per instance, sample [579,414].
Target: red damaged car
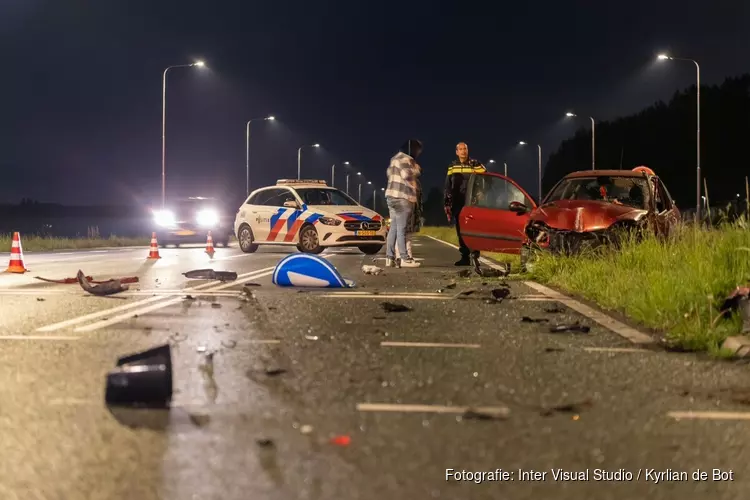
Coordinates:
[584,209]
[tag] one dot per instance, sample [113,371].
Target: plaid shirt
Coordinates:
[402,178]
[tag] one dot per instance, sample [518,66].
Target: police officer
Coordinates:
[455,194]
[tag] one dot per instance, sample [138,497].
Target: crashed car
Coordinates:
[310,215]
[583,210]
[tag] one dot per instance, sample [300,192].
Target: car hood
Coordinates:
[584,215]
[347,213]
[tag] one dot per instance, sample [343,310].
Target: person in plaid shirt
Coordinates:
[401,195]
[415,221]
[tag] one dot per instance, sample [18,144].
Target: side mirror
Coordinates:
[518,207]
[291,204]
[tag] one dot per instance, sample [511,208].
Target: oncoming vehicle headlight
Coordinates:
[164,218]
[207,217]
[330,221]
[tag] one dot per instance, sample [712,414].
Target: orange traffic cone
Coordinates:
[210,245]
[16,256]
[154,252]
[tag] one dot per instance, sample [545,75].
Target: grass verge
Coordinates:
[448,234]
[33,243]
[675,287]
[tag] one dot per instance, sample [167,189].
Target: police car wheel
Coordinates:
[308,240]
[370,249]
[245,238]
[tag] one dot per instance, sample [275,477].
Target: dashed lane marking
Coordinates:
[107,312]
[615,349]
[36,337]
[160,305]
[411,408]
[709,415]
[428,344]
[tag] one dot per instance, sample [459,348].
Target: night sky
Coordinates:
[80,93]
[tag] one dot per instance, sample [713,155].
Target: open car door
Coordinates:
[496,211]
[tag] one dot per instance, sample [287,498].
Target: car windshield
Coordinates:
[631,191]
[322,196]
[192,206]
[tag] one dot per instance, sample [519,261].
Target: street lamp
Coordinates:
[522,143]
[505,167]
[663,57]
[299,159]
[199,64]
[333,172]
[593,139]
[247,151]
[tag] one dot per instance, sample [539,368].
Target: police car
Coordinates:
[310,215]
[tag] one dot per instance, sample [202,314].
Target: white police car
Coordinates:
[310,215]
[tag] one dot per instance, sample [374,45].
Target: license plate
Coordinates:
[366,233]
[185,233]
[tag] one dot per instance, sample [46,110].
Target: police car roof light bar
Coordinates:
[300,181]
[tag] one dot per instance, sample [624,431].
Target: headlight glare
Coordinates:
[164,218]
[207,217]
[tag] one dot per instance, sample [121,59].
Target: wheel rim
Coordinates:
[309,239]
[246,240]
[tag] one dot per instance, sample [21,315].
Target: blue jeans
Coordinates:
[399,210]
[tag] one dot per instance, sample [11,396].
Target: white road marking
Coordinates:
[607,322]
[409,408]
[428,344]
[160,305]
[125,307]
[36,337]
[264,341]
[709,415]
[615,349]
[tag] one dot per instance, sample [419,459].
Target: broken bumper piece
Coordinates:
[142,380]
[210,274]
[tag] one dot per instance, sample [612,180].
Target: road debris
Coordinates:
[40,299]
[143,379]
[65,281]
[189,297]
[306,270]
[210,386]
[464,273]
[215,305]
[486,413]
[498,294]
[311,337]
[229,344]
[201,348]
[341,440]
[177,337]
[306,429]
[553,349]
[264,442]
[575,327]
[567,408]
[527,319]
[738,345]
[210,274]
[272,372]
[391,307]
[738,300]
[374,270]
[250,284]
[465,293]
[449,286]
[107,288]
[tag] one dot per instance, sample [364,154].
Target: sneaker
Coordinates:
[410,263]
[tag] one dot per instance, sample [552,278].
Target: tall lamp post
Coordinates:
[199,64]
[347,181]
[333,173]
[299,159]
[523,143]
[663,57]
[247,151]
[593,139]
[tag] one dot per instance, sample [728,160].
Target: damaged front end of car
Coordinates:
[542,237]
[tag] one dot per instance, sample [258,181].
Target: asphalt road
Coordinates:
[351,369]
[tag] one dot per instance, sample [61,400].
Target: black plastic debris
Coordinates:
[143,379]
[464,273]
[107,288]
[215,305]
[500,293]
[553,349]
[575,327]
[272,372]
[568,408]
[189,297]
[738,300]
[210,274]
[527,319]
[250,284]
[449,286]
[199,420]
[264,443]
[391,307]
[554,310]
[486,414]
[40,299]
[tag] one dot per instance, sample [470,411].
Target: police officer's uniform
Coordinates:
[455,197]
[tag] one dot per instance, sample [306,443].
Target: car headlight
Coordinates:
[330,221]
[164,218]
[207,217]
